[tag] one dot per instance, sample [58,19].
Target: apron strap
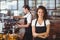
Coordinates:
[45,23]
[35,23]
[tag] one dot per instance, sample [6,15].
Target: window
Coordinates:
[20,5]
[8,4]
[58,4]
[32,4]
[15,6]
[49,4]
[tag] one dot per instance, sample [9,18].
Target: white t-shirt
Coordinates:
[37,24]
[29,17]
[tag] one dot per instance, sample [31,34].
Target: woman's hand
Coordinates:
[43,36]
[46,35]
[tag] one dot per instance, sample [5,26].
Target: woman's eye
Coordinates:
[39,12]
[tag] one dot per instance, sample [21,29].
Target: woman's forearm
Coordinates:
[35,34]
[42,33]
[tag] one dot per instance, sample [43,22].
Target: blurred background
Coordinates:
[14,8]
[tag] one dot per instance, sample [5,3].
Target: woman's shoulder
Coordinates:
[47,21]
[33,22]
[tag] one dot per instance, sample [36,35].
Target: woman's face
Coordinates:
[40,13]
[25,10]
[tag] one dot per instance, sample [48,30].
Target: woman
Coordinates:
[41,25]
[28,17]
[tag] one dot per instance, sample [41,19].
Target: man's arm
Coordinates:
[18,17]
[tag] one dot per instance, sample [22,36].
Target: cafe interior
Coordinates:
[9,8]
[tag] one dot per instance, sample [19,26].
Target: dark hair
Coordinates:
[9,13]
[44,10]
[26,6]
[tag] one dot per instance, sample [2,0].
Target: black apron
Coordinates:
[39,29]
[28,32]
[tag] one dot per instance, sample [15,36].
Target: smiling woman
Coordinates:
[41,25]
